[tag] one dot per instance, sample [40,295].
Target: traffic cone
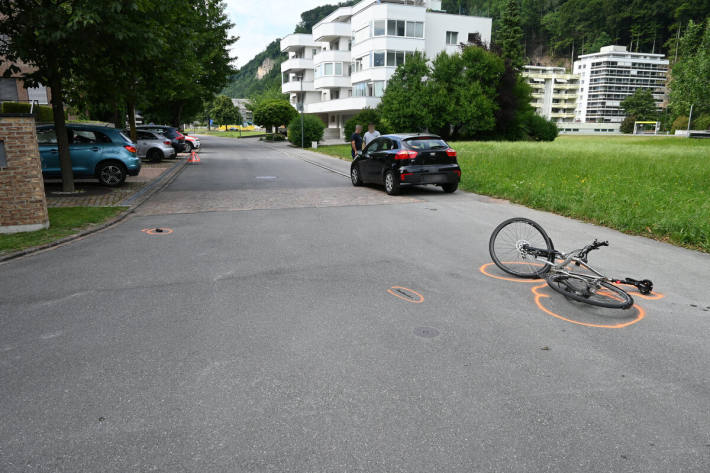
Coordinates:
[194,158]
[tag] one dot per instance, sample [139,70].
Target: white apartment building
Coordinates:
[344,66]
[554,92]
[611,75]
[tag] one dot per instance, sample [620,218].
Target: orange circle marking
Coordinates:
[154,231]
[396,291]
[540,296]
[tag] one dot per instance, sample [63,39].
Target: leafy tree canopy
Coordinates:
[223,111]
[640,105]
[273,113]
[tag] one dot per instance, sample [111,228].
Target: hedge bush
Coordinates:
[312,130]
[44,112]
[680,123]
[627,126]
[702,122]
[539,128]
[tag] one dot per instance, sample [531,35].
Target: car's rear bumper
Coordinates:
[430,174]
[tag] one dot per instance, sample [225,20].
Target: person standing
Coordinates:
[371,133]
[356,141]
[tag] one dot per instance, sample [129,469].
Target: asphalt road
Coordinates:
[259,336]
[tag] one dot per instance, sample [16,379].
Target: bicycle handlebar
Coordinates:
[593,246]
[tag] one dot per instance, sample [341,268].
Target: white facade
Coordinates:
[554,92]
[611,75]
[346,63]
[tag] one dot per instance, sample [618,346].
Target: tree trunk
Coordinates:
[132,120]
[60,127]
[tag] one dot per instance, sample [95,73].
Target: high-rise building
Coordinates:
[344,65]
[554,92]
[611,75]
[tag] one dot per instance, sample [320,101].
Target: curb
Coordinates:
[144,194]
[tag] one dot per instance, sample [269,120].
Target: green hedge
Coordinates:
[312,130]
[44,115]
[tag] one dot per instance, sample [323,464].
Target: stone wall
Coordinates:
[23,206]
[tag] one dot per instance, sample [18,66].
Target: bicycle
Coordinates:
[521,247]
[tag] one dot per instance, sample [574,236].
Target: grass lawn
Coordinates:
[658,187]
[339,151]
[63,221]
[230,134]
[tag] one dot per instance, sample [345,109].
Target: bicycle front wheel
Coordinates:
[507,248]
[607,295]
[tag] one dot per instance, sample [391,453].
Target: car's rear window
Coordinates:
[125,138]
[426,143]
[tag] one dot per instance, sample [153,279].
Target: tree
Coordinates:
[463,91]
[405,102]
[223,111]
[640,105]
[52,38]
[364,118]
[312,130]
[274,113]
[689,78]
[511,35]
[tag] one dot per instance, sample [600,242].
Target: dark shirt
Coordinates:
[358,143]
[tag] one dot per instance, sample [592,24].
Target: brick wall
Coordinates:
[23,206]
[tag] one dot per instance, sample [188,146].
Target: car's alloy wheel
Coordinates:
[355,176]
[391,183]
[154,156]
[111,174]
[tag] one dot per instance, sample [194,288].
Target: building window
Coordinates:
[379,88]
[378,58]
[395,27]
[415,29]
[360,89]
[338,68]
[362,34]
[452,37]
[395,58]
[379,28]
[357,66]
[328,69]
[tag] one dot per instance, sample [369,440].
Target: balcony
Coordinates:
[294,42]
[296,64]
[295,86]
[342,105]
[330,82]
[331,55]
[326,32]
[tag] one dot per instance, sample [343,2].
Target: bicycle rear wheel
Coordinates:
[607,295]
[506,247]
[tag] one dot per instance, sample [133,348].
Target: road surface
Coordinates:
[285,321]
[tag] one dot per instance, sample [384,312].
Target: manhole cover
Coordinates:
[426,332]
[157,231]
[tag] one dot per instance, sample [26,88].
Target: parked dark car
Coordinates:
[396,160]
[177,139]
[95,151]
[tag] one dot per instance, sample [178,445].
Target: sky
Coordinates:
[257,23]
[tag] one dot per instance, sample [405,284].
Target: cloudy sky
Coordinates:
[257,23]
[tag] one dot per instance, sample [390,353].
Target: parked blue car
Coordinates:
[96,151]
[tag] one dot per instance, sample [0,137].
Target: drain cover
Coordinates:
[426,332]
[409,295]
[266,178]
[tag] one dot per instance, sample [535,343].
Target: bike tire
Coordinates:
[611,298]
[504,247]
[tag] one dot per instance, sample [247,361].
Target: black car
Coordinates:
[177,139]
[396,160]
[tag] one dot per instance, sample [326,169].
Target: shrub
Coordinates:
[44,112]
[312,130]
[627,126]
[365,117]
[680,123]
[539,128]
[273,137]
[702,122]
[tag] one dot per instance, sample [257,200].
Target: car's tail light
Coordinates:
[166,142]
[458,173]
[405,154]
[405,174]
[131,149]
[451,153]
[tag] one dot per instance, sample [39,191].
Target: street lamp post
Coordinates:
[690,118]
[301,110]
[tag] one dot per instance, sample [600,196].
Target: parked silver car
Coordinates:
[153,146]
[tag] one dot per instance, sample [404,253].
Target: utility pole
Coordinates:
[677,40]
